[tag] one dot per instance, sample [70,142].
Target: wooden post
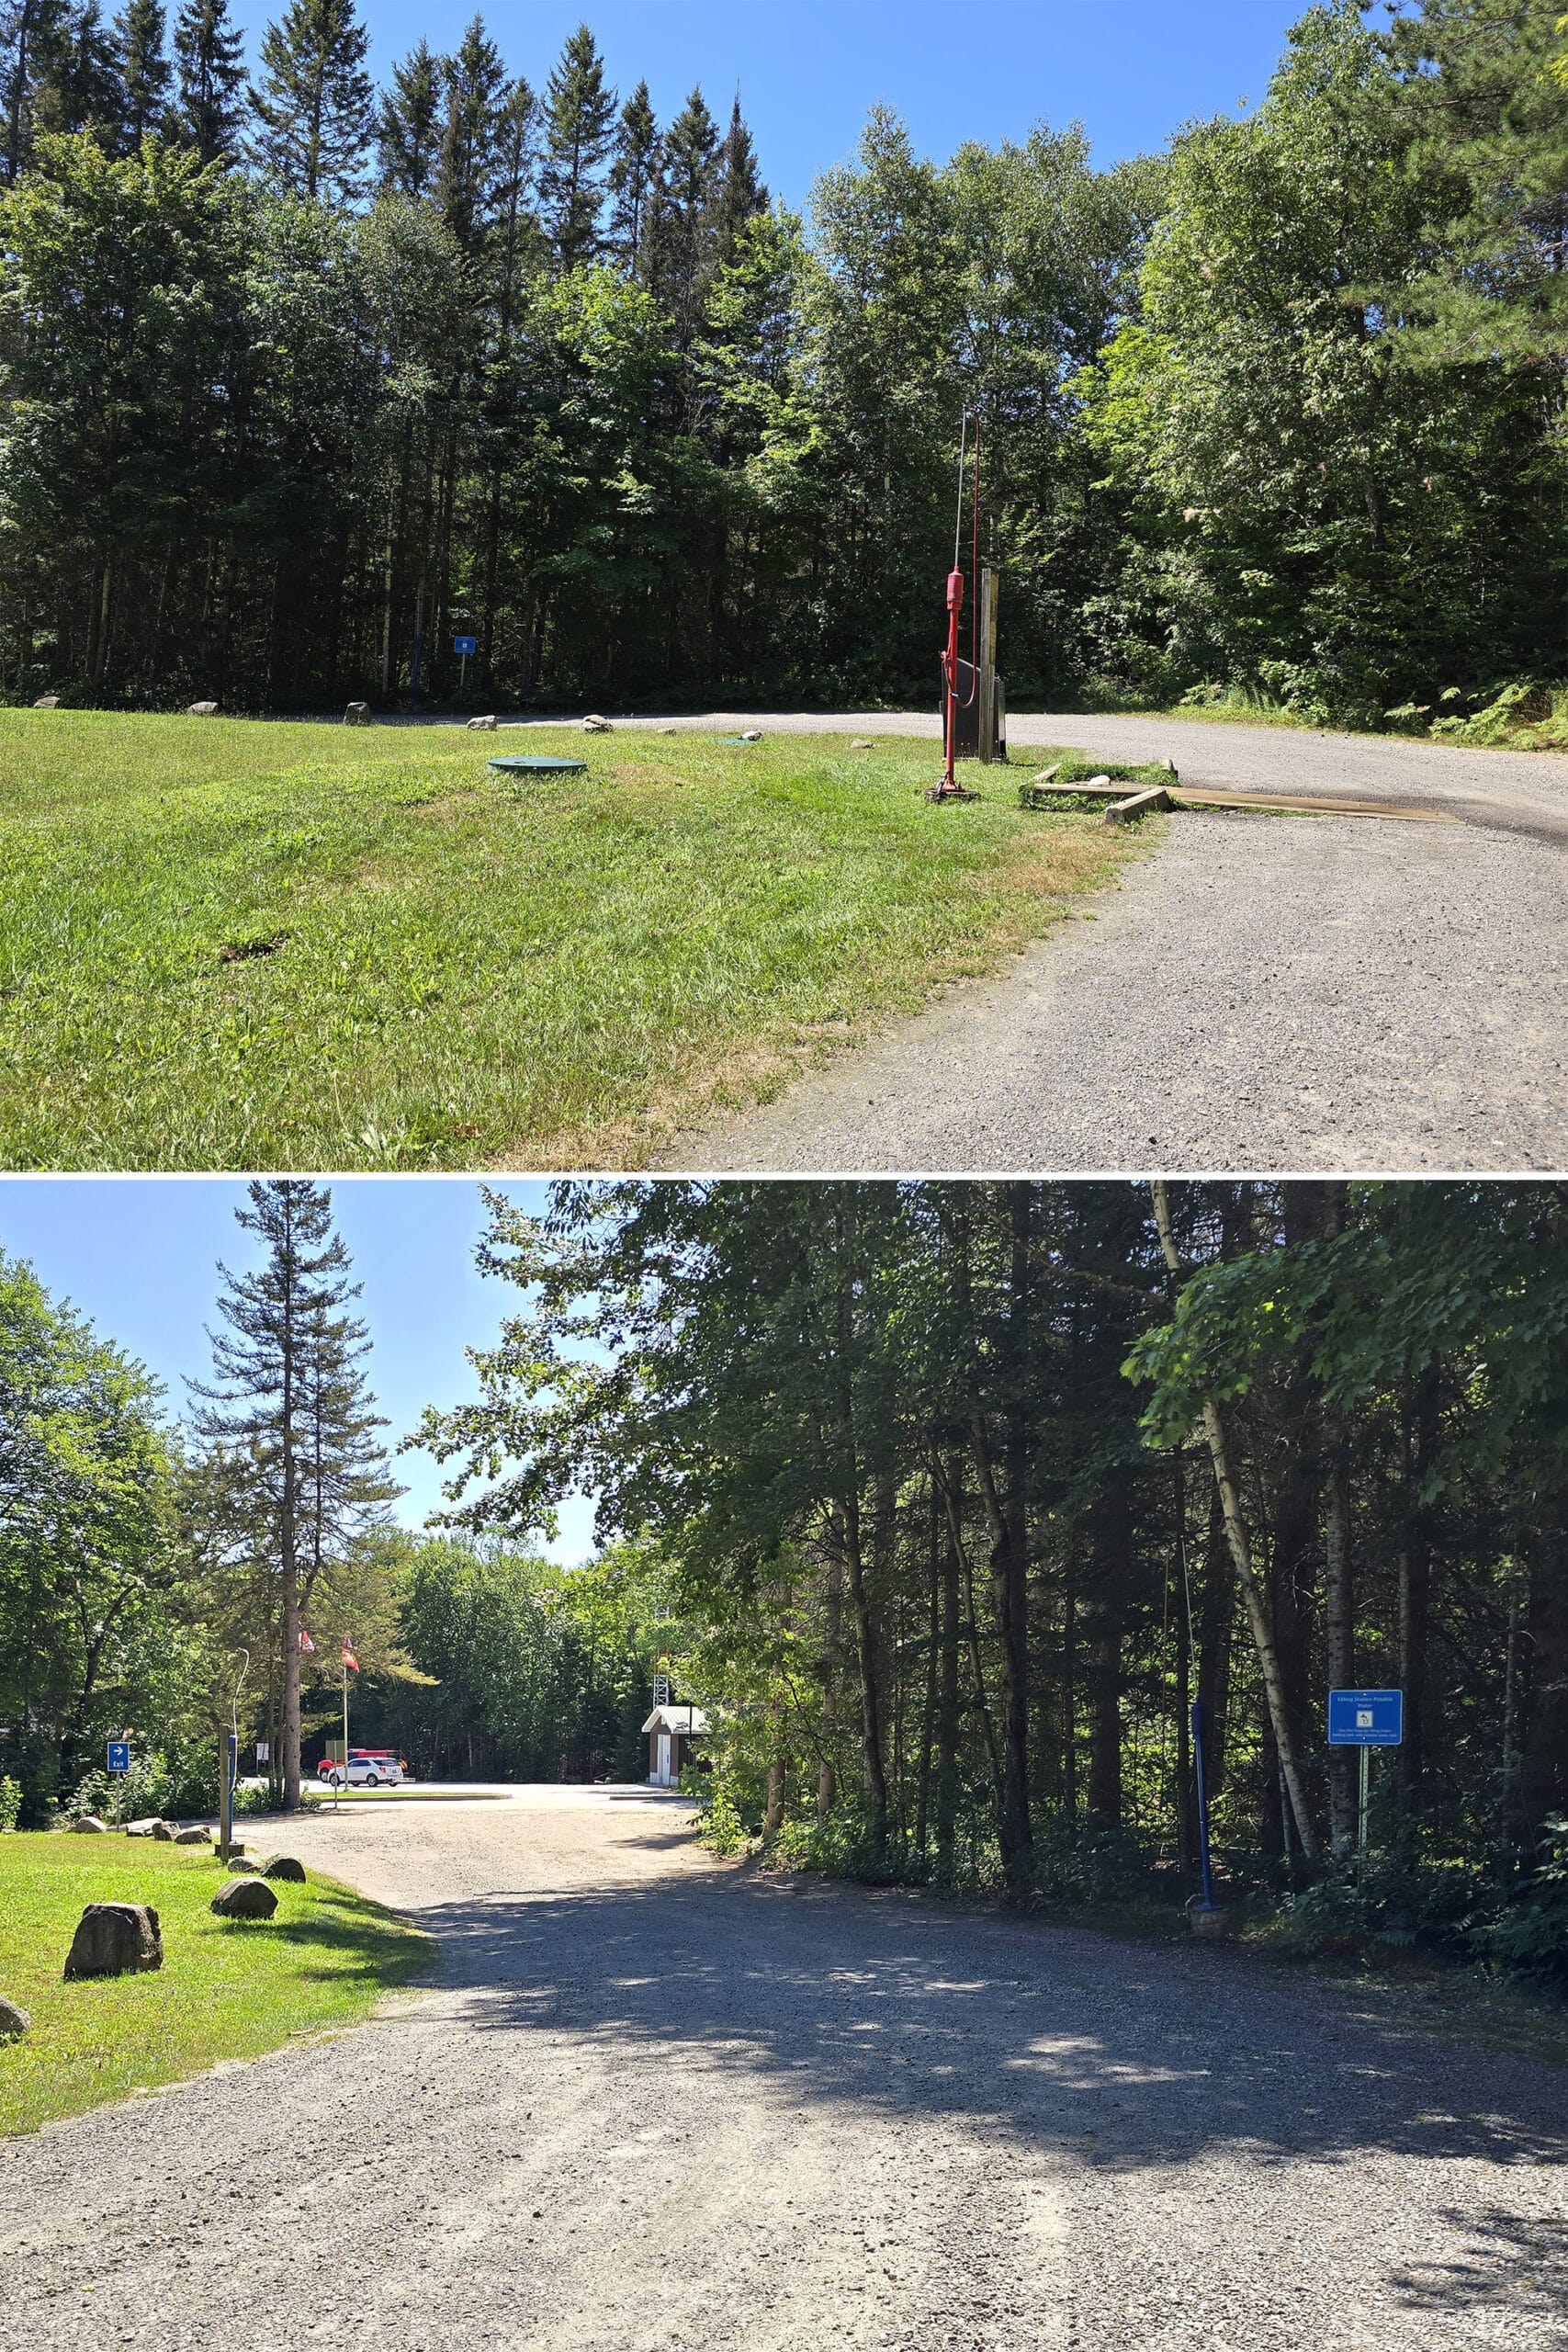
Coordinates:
[985,714]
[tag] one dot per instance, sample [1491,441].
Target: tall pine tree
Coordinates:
[144,72]
[79,86]
[208,51]
[469,163]
[633,176]
[1486,118]
[741,195]
[580,113]
[314,104]
[682,231]
[407,123]
[288,1410]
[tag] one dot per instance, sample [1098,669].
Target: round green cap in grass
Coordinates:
[541,766]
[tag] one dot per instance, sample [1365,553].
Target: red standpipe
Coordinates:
[954,608]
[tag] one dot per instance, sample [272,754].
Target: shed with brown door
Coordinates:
[670,1733]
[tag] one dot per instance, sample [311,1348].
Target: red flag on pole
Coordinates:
[349,1659]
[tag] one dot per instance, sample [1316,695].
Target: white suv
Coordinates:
[368,1768]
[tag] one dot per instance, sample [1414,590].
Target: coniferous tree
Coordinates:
[211,78]
[407,123]
[682,230]
[633,176]
[467,168]
[314,103]
[1484,114]
[78,87]
[289,1412]
[144,71]
[741,194]
[578,114]
[516,149]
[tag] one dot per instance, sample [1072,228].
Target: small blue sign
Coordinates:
[1366,1718]
[465,645]
[119,1755]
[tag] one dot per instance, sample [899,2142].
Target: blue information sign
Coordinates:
[1366,1718]
[465,645]
[119,1755]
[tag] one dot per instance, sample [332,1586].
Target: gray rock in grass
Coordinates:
[115,1940]
[192,1837]
[14,2022]
[244,1898]
[87,1825]
[356,715]
[201,711]
[484,724]
[46,702]
[284,1866]
[165,1831]
[597,724]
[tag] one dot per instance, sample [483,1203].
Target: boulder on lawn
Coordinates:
[752,735]
[358,715]
[14,2022]
[284,1866]
[484,725]
[862,744]
[192,1837]
[87,1825]
[244,1898]
[597,724]
[46,702]
[164,1830]
[145,1826]
[201,711]
[115,1940]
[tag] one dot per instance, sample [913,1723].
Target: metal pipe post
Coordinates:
[1200,1724]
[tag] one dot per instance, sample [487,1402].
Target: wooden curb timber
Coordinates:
[1040,790]
[1141,804]
[1297,804]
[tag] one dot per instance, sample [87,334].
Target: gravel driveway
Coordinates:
[659,2100]
[1261,992]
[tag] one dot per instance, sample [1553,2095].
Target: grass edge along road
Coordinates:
[228,943]
[227,1988]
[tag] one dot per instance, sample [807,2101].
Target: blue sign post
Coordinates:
[1365,1719]
[465,646]
[119,1755]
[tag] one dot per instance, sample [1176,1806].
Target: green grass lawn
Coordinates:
[227,1988]
[227,943]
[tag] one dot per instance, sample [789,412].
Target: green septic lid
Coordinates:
[541,767]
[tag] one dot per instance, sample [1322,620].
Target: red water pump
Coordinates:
[950,788]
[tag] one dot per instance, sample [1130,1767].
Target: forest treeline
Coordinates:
[963,1493]
[299,378]
[944,1501]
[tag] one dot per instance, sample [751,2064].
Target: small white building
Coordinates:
[670,1732]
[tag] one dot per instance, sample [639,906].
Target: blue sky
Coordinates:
[808,70]
[138,1256]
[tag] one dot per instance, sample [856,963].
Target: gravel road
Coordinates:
[1260,992]
[660,2101]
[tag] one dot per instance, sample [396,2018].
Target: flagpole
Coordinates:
[346,1725]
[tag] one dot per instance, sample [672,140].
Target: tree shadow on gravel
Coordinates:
[1127,2059]
[1512,2262]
